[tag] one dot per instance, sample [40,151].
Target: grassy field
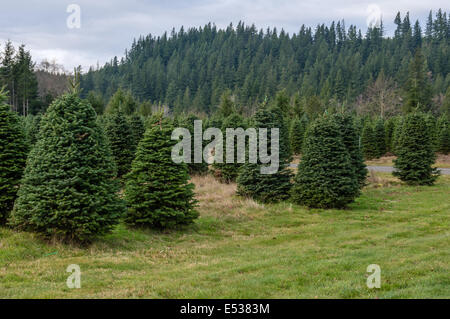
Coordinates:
[241,249]
[442,161]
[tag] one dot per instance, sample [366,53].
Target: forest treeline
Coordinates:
[189,70]
[31,87]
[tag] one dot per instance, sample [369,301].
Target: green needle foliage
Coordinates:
[137,129]
[13,154]
[188,123]
[389,133]
[416,156]
[368,141]
[157,190]
[351,141]
[380,137]
[120,137]
[326,177]
[228,172]
[443,135]
[267,188]
[69,188]
[297,134]
[32,128]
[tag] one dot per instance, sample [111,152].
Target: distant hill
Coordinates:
[190,69]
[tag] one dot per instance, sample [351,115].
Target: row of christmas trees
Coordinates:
[70,184]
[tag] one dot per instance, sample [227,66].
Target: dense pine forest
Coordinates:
[322,67]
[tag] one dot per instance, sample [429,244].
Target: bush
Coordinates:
[13,154]
[415,152]
[326,177]
[69,188]
[157,190]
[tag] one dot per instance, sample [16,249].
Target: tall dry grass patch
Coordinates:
[218,200]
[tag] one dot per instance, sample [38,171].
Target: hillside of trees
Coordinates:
[31,87]
[189,70]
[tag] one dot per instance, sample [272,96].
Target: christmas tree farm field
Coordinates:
[241,249]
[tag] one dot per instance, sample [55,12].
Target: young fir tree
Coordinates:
[228,172]
[389,133]
[268,187]
[297,134]
[69,188]
[326,177]
[120,138]
[380,137]
[32,128]
[414,164]
[157,190]
[431,123]
[396,135]
[13,154]
[418,88]
[368,142]
[137,129]
[443,135]
[188,123]
[350,137]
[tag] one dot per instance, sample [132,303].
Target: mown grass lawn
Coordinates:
[241,249]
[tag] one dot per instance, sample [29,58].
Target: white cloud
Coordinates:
[108,27]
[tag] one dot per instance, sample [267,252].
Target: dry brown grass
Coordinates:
[218,200]
[377,180]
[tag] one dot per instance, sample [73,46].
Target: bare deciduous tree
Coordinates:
[381,98]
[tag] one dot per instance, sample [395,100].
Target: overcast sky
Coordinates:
[108,27]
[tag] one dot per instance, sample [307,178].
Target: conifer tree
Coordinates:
[297,134]
[368,142]
[443,135]
[380,137]
[350,138]
[431,123]
[389,133]
[69,188]
[32,128]
[228,172]
[13,154]
[227,106]
[157,190]
[137,129]
[414,164]
[418,89]
[268,188]
[326,177]
[188,123]
[120,138]
[121,102]
[396,135]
